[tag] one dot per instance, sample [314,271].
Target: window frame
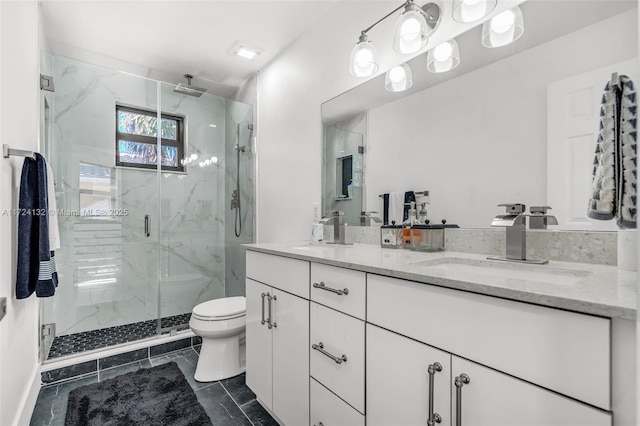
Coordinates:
[179,143]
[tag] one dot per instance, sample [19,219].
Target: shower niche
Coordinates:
[161,239]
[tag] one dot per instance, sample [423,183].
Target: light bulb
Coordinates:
[503,22]
[182,161]
[194,157]
[443,51]
[214,160]
[201,164]
[397,74]
[207,162]
[364,57]
[410,29]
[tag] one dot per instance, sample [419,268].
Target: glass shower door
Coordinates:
[108,262]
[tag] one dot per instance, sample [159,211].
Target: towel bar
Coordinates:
[7,152]
[425,193]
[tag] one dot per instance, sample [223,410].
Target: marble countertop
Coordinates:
[592,289]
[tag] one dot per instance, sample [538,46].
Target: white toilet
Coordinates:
[221,324]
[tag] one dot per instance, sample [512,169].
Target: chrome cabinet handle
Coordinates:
[262,320]
[339,292]
[433,417]
[269,323]
[460,381]
[320,348]
[147,228]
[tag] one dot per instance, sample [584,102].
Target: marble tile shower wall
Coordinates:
[187,237]
[238,113]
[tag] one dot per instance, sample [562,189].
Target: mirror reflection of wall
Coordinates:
[481,135]
[343,168]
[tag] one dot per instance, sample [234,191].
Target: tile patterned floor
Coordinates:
[97,339]
[227,402]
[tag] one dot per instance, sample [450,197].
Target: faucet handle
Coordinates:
[514,208]
[539,209]
[334,213]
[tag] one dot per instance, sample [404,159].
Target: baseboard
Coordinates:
[30,399]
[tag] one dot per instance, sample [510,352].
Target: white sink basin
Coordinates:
[492,270]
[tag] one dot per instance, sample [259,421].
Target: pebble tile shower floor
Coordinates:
[227,402]
[104,337]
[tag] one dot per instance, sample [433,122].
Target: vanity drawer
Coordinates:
[328,409]
[290,275]
[563,351]
[339,288]
[340,335]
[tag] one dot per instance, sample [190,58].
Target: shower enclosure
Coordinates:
[144,178]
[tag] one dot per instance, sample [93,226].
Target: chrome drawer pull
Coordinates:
[339,292]
[263,321]
[460,381]
[433,417]
[320,348]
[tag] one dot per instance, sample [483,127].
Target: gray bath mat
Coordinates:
[150,396]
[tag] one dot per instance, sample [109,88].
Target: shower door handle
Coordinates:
[147,228]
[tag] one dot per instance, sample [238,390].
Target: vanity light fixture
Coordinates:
[444,57]
[471,10]
[502,29]
[398,78]
[411,34]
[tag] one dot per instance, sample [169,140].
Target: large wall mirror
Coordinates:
[510,124]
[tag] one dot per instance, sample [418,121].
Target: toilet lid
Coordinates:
[221,308]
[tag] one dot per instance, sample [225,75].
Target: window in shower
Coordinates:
[136,139]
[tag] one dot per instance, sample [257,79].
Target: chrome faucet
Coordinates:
[540,219]
[516,223]
[336,217]
[366,218]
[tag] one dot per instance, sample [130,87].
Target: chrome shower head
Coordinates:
[188,89]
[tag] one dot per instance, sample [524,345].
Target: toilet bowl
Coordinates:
[221,325]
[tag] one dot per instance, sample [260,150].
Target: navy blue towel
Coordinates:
[36,264]
[409,196]
[385,209]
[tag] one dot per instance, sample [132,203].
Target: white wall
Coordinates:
[480,139]
[19,105]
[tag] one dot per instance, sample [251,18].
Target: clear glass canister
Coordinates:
[391,236]
[427,237]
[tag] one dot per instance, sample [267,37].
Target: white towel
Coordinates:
[54,231]
[396,207]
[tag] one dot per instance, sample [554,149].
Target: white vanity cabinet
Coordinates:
[278,335]
[337,343]
[540,349]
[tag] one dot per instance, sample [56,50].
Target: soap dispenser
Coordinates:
[422,214]
[407,224]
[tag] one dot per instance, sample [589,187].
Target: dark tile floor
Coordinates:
[227,402]
[97,339]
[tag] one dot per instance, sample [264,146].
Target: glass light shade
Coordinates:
[398,78]
[472,10]
[410,33]
[502,29]
[363,61]
[444,57]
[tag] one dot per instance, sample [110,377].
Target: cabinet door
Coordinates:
[495,399]
[398,380]
[290,359]
[259,353]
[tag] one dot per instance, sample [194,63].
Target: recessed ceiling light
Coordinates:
[212,125]
[244,50]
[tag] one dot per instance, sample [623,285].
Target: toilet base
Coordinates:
[219,359]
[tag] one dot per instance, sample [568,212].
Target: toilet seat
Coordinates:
[220,309]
